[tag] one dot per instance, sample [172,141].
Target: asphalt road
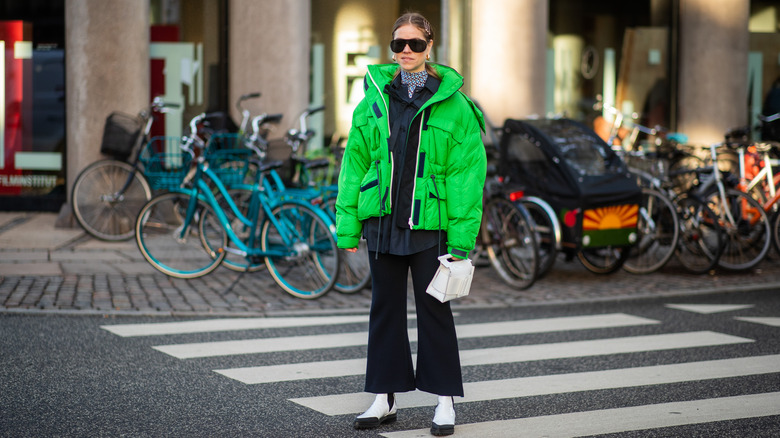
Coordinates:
[624,368]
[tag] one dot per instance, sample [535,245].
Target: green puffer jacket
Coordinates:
[451,163]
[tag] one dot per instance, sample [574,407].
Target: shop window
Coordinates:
[187,60]
[32,114]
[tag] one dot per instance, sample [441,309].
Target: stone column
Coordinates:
[107,69]
[508,57]
[713,58]
[269,52]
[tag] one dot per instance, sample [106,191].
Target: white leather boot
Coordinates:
[383,410]
[444,417]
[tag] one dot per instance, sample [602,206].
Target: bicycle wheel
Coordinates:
[233,261]
[746,227]
[354,271]
[512,247]
[604,260]
[548,231]
[658,231]
[99,204]
[776,231]
[701,240]
[190,254]
[308,266]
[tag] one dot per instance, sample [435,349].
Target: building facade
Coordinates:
[696,66]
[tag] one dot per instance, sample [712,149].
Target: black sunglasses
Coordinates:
[417,45]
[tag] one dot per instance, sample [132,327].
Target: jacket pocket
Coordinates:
[447,128]
[432,212]
[369,199]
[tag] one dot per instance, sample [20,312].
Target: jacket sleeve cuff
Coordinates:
[458,253]
[347,242]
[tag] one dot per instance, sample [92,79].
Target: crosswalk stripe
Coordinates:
[522,353]
[252,346]
[228,324]
[772,322]
[620,419]
[341,404]
[709,308]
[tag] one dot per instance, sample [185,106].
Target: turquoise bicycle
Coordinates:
[187,232]
[241,162]
[354,272]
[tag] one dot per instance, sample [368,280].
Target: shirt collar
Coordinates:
[418,78]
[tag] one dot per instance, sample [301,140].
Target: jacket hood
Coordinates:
[380,75]
[451,81]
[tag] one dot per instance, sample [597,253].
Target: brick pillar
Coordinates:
[269,52]
[508,57]
[107,69]
[713,58]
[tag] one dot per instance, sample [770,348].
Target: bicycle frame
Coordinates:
[716,180]
[766,174]
[202,191]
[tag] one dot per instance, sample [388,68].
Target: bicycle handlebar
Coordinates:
[645,129]
[769,118]
[244,97]
[257,121]
[160,106]
[306,114]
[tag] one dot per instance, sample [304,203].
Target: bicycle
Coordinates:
[232,157]
[743,220]
[354,271]
[757,176]
[756,164]
[107,195]
[669,224]
[507,235]
[669,152]
[185,232]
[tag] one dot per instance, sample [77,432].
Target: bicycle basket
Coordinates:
[165,165]
[224,141]
[230,165]
[228,158]
[120,134]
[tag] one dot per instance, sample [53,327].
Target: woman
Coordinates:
[411,181]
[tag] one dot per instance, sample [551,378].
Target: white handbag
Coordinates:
[452,279]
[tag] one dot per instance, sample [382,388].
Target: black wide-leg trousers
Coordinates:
[390,367]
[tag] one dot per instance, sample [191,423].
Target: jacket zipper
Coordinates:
[379,228]
[384,102]
[416,164]
[392,164]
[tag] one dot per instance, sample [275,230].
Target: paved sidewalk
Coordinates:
[63,270]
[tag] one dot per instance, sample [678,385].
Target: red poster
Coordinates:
[159,34]
[15,123]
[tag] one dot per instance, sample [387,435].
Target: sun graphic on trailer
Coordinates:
[610,218]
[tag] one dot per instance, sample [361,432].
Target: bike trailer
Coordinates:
[568,165]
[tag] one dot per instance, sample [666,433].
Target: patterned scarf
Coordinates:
[413,81]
